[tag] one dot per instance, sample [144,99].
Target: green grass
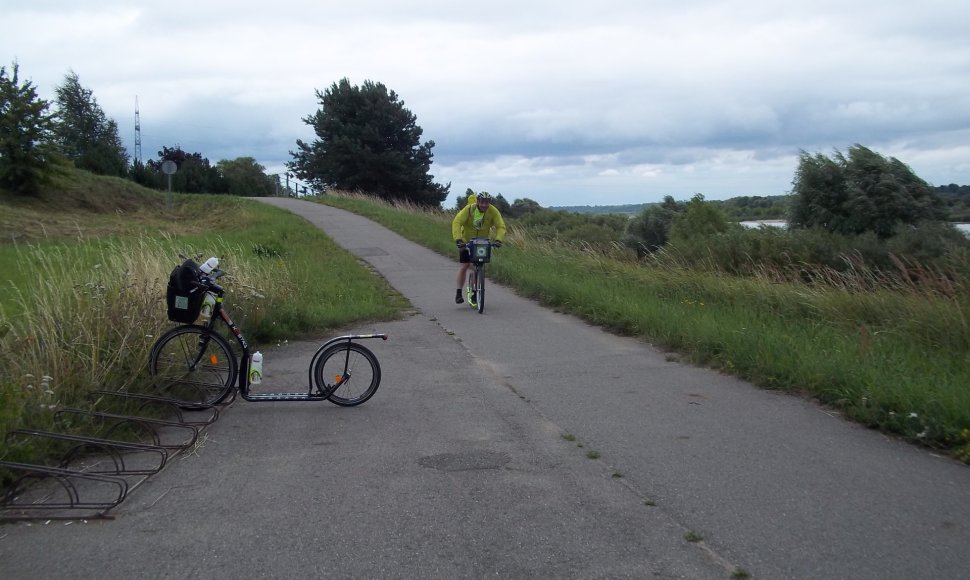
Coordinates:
[84,270]
[693,537]
[893,357]
[80,307]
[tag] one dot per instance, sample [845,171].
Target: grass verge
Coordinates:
[895,359]
[80,308]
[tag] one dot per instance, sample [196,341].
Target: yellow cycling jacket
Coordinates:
[470,223]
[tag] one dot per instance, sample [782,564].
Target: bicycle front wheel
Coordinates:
[347,373]
[480,291]
[194,366]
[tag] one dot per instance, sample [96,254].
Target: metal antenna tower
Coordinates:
[137,132]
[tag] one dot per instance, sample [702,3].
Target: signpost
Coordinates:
[168,168]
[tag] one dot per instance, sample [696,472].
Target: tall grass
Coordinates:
[78,315]
[890,349]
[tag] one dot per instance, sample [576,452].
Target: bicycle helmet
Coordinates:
[484,196]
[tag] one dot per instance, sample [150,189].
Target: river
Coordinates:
[963,227]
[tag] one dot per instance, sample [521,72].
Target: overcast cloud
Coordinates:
[563,102]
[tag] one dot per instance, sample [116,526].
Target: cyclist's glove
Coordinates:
[497,243]
[460,243]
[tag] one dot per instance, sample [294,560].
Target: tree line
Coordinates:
[367,141]
[845,210]
[37,136]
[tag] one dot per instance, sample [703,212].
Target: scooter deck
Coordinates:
[260,397]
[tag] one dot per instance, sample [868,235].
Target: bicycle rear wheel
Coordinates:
[347,373]
[194,366]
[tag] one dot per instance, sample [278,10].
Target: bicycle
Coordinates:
[480,253]
[197,366]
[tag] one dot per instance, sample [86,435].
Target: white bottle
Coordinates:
[209,265]
[256,369]
[208,303]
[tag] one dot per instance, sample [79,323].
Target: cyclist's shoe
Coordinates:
[470,295]
[458,298]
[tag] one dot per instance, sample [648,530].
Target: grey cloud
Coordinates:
[628,100]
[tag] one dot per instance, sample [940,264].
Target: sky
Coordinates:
[563,102]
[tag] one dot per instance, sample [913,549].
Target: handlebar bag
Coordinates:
[480,250]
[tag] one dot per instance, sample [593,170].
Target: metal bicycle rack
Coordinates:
[100,455]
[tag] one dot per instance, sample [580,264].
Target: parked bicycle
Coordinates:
[195,363]
[480,253]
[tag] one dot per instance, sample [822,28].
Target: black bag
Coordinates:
[479,251]
[184,295]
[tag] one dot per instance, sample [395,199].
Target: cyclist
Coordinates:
[478,219]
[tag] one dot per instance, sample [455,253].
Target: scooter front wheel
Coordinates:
[347,374]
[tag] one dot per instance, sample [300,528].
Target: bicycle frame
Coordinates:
[480,253]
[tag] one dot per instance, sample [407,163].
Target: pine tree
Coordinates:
[367,141]
[25,134]
[85,134]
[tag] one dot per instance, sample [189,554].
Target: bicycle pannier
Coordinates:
[184,296]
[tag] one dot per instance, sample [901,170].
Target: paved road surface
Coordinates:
[458,468]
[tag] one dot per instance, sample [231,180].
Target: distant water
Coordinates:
[963,227]
[759,223]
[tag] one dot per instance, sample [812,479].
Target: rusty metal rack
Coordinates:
[161,432]
[23,501]
[111,454]
[100,455]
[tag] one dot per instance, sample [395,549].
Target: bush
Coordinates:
[927,241]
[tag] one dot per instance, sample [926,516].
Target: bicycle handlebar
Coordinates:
[208,281]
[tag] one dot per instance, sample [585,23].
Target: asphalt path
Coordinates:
[518,443]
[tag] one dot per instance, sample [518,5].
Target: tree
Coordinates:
[699,220]
[367,141]
[147,174]
[524,206]
[244,177]
[194,175]
[85,134]
[501,204]
[861,192]
[25,133]
[650,230]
